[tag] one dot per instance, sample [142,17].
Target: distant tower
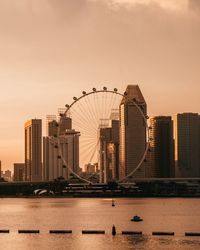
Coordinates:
[187,145]
[64,124]
[132,132]
[109,148]
[18,172]
[162,147]
[105,135]
[51,123]
[33,150]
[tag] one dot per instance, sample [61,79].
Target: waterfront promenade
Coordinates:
[155,187]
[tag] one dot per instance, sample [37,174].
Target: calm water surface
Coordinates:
[159,214]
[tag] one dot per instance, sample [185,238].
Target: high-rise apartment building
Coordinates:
[18,172]
[132,132]
[33,150]
[55,128]
[187,145]
[162,147]
[53,165]
[61,140]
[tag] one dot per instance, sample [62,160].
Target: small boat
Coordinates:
[136,218]
[113,203]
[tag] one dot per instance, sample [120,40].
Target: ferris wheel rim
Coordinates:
[145,117]
[84,94]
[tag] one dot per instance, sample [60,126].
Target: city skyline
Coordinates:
[100,124]
[45,133]
[154,44]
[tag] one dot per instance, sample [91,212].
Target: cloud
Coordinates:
[194,5]
[173,5]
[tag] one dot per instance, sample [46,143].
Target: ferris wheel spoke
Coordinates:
[102,106]
[92,116]
[97,107]
[112,105]
[88,154]
[87,146]
[82,116]
[89,142]
[85,112]
[108,111]
[105,106]
[81,123]
[85,141]
[78,125]
[94,151]
[94,108]
[80,113]
[94,112]
[88,138]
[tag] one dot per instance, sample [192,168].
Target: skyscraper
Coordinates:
[60,133]
[132,132]
[53,165]
[105,135]
[187,144]
[109,148]
[162,147]
[33,150]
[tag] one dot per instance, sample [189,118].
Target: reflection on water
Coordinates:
[136,240]
[190,242]
[176,215]
[97,242]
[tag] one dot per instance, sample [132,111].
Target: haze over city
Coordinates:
[52,50]
[100,124]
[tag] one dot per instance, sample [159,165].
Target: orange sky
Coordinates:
[52,50]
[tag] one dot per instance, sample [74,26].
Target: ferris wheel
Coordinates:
[89,113]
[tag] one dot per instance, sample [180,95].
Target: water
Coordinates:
[160,214]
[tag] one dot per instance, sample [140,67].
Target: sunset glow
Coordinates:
[52,50]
